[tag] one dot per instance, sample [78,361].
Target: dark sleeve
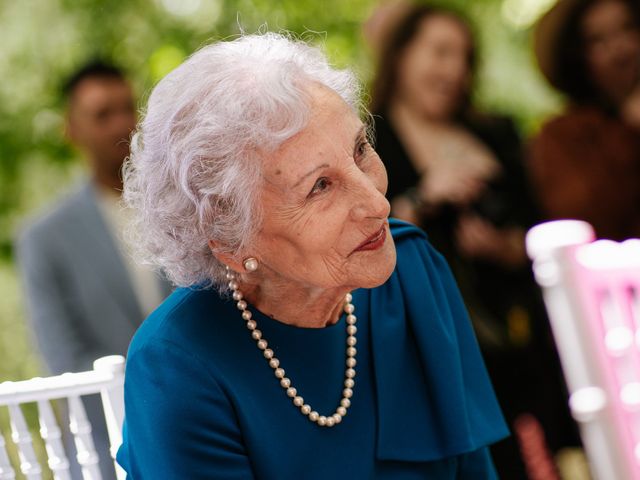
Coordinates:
[179,423]
[476,465]
[54,319]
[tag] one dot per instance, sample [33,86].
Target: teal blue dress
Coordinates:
[201,402]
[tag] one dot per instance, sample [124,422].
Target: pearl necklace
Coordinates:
[279,372]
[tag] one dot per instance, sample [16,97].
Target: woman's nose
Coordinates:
[370,201]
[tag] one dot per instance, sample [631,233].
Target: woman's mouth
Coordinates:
[374,242]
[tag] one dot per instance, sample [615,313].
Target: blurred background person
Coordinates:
[458,174]
[585,163]
[85,295]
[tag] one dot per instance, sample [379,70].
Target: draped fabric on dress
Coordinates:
[462,413]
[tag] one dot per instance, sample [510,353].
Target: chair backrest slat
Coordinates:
[29,465]
[107,378]
[52,436]
[6,470]
[81,430]
[112,394]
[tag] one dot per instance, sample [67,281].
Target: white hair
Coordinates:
[194,173]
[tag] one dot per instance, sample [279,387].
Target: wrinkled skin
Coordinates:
[322,197]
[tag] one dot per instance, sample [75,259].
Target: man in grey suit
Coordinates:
[85,295]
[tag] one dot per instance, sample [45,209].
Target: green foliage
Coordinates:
[45,40]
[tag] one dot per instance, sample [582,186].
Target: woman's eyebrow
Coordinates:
[301,179]
[356,141]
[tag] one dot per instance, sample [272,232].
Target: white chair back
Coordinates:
[592,293]
[107,378]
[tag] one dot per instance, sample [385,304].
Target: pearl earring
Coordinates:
[250,264]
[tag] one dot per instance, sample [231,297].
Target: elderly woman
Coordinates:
[257,191]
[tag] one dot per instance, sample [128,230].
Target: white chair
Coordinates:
[592,294]
[107,378]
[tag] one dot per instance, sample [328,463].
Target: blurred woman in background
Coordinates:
[586,162]
[458,174]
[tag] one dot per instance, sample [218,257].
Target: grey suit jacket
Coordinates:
[80,299]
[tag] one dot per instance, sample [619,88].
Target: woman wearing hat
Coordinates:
[585,164]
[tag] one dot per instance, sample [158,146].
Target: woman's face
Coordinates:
[612,48]
[325,213]
[433,72]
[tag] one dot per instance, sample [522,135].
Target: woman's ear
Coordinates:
[226,258]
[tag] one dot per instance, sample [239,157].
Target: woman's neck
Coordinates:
[296,305]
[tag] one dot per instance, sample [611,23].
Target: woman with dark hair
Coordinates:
[458,174]
[585,163]
[445,161]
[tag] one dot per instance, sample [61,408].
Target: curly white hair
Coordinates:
[194,173]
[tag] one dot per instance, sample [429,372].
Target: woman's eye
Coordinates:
[320,186]
[361,149]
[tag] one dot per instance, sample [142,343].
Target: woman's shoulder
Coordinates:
[185,319]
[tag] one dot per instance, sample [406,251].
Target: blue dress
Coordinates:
[202,403]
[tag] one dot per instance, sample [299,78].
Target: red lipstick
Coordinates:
[374,242]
